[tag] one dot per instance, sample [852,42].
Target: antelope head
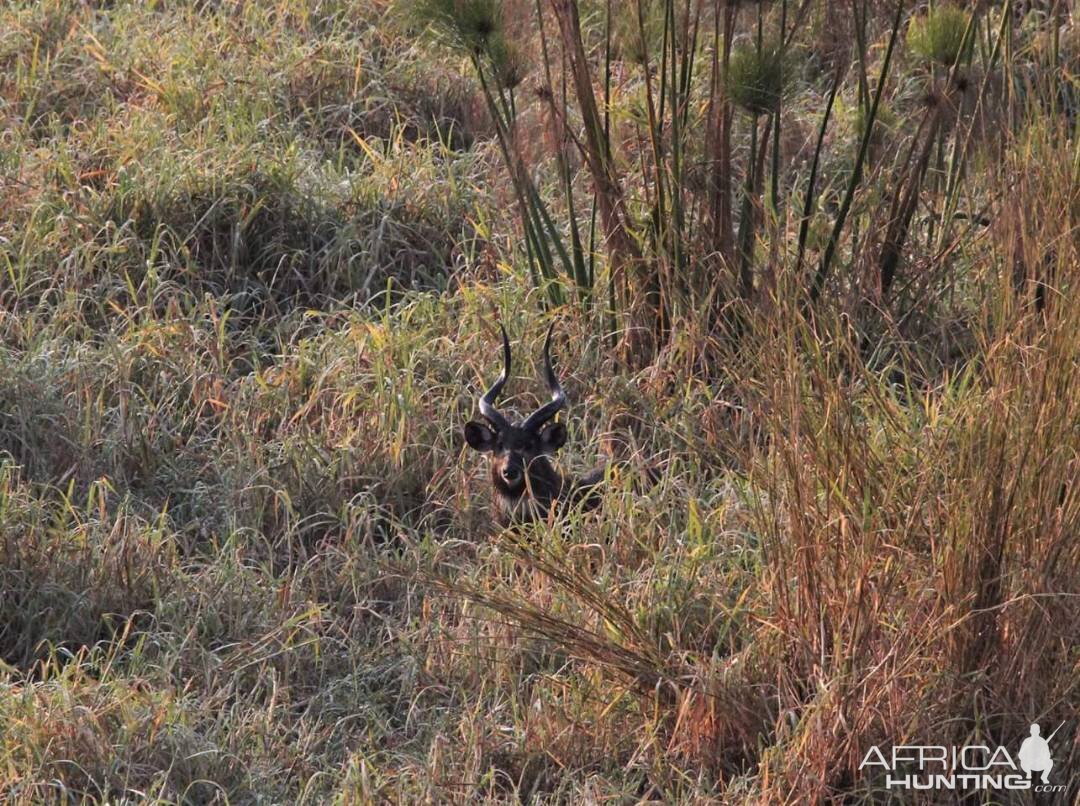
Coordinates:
[525,482]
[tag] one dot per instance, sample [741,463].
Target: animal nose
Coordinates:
[511,473]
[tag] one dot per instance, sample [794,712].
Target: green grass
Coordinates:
[939,35]
[251,258]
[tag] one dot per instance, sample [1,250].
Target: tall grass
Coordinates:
[249,260]
[670,240]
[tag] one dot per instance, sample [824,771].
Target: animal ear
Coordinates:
[479,436]
[553,436]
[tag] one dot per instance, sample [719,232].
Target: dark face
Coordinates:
[513,450]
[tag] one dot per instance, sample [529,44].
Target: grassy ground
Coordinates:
[250,259]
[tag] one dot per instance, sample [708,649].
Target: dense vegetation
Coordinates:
[816,261]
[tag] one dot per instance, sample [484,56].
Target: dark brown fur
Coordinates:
[525,484]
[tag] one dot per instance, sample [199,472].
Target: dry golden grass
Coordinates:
[250,259]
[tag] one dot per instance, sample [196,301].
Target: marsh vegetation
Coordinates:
[817,261]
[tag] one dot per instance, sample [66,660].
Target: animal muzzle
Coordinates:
[512,473]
